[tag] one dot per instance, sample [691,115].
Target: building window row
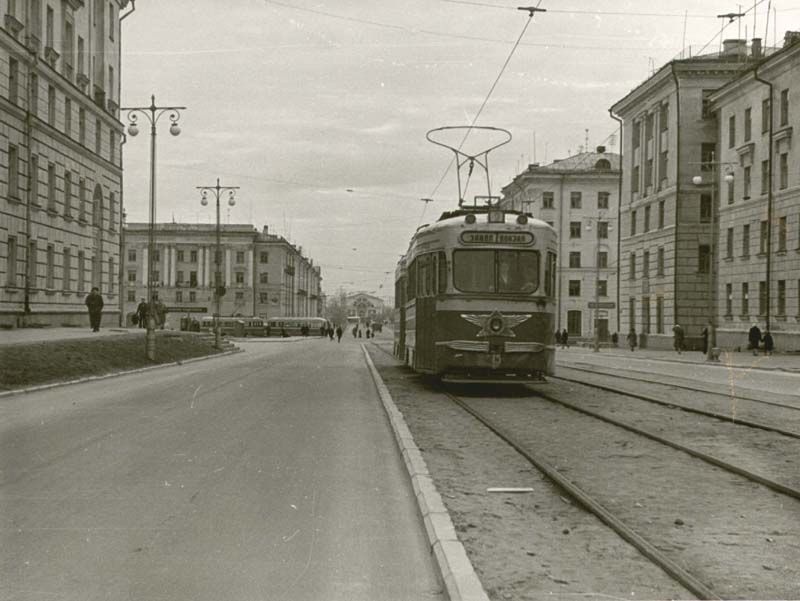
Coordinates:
[780,299]
[646,264]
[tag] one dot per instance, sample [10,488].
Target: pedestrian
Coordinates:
[557,337]
[161,313]
[339,333]
[754,338]
[359,332]
[614,339]
[355,331]
[677,338]
[769,344]
[94,302]
[704,334]
[632,339]
[369,333]
[141,313]
[330,332]
[564,338]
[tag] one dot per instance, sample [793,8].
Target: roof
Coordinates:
[583,161]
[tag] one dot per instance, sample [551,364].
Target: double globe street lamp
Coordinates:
[153,113]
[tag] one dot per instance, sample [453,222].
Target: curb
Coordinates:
[455,568]
[116,374]
[720,363]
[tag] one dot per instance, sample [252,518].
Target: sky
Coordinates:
[318,109]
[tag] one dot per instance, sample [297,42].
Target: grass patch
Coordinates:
[24,365]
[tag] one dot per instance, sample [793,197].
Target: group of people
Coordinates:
[562,338]
[755,338]
[143,311]
[357,332]
[330,332]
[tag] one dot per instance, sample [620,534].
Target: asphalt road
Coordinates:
[270,474]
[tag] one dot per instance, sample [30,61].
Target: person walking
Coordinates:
[564,338]
[632,339]
[769,344]
[704,334]
[161,313]
[754,338]
[557,337]
[339,334]
[330,332]
[677,338]
[141,313]
[94,302]
[614,339]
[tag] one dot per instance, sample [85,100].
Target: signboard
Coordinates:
[187,310]
[518,238]
[602,305]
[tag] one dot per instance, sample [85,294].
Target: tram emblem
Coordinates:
[496,324]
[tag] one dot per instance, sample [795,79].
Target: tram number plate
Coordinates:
[523,238]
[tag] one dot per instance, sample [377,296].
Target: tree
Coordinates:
[336,308]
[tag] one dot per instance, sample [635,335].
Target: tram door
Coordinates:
[425,353]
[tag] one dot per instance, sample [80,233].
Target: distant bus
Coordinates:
[235,326]
[293,326]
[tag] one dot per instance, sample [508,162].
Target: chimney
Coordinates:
[601,149]
[755,48]
[266,230]
[533,166]
[791,37]
[734,47]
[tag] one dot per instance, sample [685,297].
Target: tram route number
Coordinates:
[522,238]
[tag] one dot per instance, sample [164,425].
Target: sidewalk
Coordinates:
[743,360]
[27,335]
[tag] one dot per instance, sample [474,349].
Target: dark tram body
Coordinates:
[475,298]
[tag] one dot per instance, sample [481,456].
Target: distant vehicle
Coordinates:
[235,326]
[293,326]
[376,326]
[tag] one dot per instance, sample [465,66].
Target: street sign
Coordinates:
[187,310]
[602,305]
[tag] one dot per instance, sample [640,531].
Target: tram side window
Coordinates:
[412,280]
[442,272]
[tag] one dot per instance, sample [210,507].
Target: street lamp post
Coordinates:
[219,288]
[697,180]
[153,113]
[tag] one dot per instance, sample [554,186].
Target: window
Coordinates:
[784,107]
[263,278]
[648,126]
[155,276]
[131,296]
[51,105]
[98,135]
[81,57]
[442,275]
[728,299]
[131,255]
[633,223]
[132,277]
[575,200]
[746,240]
[33,257]
[602,259]
[67,193]
[13,80]
[574,229]
[179,296]
[193,279]
[707,150]
[263,298]
[661,214]
[49,280]
[732,131]
[192,296]
[602,287]
[82,126]
[765,116]
[782,234]
[646,226]
[192,256]
[547,200]
[574,287]
[239,257]
[239,296]
[635,179]
[729,246]
[111,278]
[632,312]
[646,264]
[765,177]
[111,23]
[13,171]
[240,277]
[602,200]
[110,82]
[179,277]
[34,175]
[763,238]
[574,323]
[81,271]
[156,255]
[602,229]
[762,297]
[575,259]
[505,271]
[705,208]
[68,48]
[660,261]
[746,183]
[663,165]
[748,124]
[745,299]
[112,144]
[11,261]
[784,171]
[637,133]
[705,109]
[646,314]
[703,258]
[659,315]
[82,199]
[51,187]
[550,270]
[49,28]
[782,297]
[632,266]
[648,174]
[34,83]
[731,191]
[663,117]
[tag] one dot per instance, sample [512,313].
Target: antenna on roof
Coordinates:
[586,140]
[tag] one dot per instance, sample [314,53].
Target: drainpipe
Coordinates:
[619,209]
[560,245]
[769,188]
[677,192]
[122,254]
[30,262]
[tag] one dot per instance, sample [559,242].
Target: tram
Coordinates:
[475,294]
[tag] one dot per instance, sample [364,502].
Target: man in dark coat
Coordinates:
[141,314]
[94,302]
[754,338]
[769,344]
[339,333]
[704,334]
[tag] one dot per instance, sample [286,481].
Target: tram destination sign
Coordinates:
[517,238]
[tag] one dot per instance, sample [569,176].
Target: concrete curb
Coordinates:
[455,568]
[720,363]
[117,374]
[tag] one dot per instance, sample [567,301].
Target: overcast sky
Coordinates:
[318,109]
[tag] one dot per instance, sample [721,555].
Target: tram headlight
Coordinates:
[522,219]
[469,219]
[496,324]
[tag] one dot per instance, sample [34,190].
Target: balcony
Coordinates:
[113,107]
[33,43]
[100,97]
[289,270]
[13,25]
[82,80]
[51,56]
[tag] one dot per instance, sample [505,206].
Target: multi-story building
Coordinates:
[670,138]
[364,307]
[263,274]
[61,174]
[758,266]
[579,197]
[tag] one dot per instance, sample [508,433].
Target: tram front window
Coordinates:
[473,270]
[503,271]
[518,271]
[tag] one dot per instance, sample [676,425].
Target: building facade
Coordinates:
[666,219]
[579,197]
[263,274]
[364,307]
[61,174]
[758,257]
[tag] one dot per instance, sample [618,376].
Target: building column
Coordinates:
[248,268]
[227,266]
[173,278]
[145,266]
